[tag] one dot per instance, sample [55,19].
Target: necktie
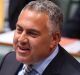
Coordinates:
[28,70]
[1,15]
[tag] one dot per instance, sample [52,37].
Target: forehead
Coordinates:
[33,17]
[32,14]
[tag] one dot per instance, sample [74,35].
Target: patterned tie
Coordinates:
[28,70]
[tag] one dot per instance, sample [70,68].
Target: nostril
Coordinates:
[23,43]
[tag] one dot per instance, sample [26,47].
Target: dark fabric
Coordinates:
[9,65]
[71,27]
[15,7]
[62,64]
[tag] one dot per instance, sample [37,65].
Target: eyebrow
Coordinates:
[17,25]
[33,30]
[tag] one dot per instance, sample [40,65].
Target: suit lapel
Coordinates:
[55,65]
[16,69]
[16,66]
[10,66]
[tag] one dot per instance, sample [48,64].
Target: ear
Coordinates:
[55,39]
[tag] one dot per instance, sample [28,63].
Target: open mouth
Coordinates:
[24,49]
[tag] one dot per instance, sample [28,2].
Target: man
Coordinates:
[36,43]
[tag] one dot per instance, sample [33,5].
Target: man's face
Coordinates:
[32,41]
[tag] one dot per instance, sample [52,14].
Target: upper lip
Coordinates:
[24,48]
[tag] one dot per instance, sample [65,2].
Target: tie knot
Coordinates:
[29,68]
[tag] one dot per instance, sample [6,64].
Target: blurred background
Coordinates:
[10,9]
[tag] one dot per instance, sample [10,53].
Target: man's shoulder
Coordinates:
[63,64]
[8,58]
[9,64]
[70,66]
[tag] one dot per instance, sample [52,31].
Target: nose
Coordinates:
[23,38]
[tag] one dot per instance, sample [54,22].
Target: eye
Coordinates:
[33,33]
[19,29]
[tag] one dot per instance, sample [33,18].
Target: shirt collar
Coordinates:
[41,66]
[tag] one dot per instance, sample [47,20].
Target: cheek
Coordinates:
[15,40]
[42,42]
[45,42]
[40,50]
[40,45]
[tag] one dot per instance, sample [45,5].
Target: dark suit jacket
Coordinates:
[62,64]
[15,7]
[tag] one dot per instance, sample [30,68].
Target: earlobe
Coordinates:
[57,36]
[55,39]
[53,44]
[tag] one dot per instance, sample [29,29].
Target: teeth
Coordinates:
[25,49]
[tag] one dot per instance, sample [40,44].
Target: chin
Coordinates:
[19,59]
[23,59]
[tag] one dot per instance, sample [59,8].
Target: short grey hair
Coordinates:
[51,9]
